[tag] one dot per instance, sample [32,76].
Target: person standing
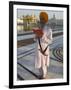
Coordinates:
[42,55]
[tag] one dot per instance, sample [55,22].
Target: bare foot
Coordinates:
[46,77]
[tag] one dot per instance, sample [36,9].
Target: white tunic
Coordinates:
[40,59]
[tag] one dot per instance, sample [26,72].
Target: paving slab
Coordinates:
[26,63]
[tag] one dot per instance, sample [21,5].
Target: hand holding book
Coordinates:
[38,32]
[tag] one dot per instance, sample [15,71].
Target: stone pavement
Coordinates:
[26,65]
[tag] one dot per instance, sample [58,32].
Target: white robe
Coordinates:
[40,59]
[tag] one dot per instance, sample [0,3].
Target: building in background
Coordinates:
[26,23]
[55,23]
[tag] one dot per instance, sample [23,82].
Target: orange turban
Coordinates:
[44,15]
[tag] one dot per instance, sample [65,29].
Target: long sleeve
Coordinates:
[47,38]
[34,38]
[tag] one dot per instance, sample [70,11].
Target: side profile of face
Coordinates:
[42,20]
[42,23]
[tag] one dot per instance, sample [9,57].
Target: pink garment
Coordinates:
[40,59]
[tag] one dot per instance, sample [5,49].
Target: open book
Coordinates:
[38,32]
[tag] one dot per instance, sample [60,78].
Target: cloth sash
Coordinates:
[41,50]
